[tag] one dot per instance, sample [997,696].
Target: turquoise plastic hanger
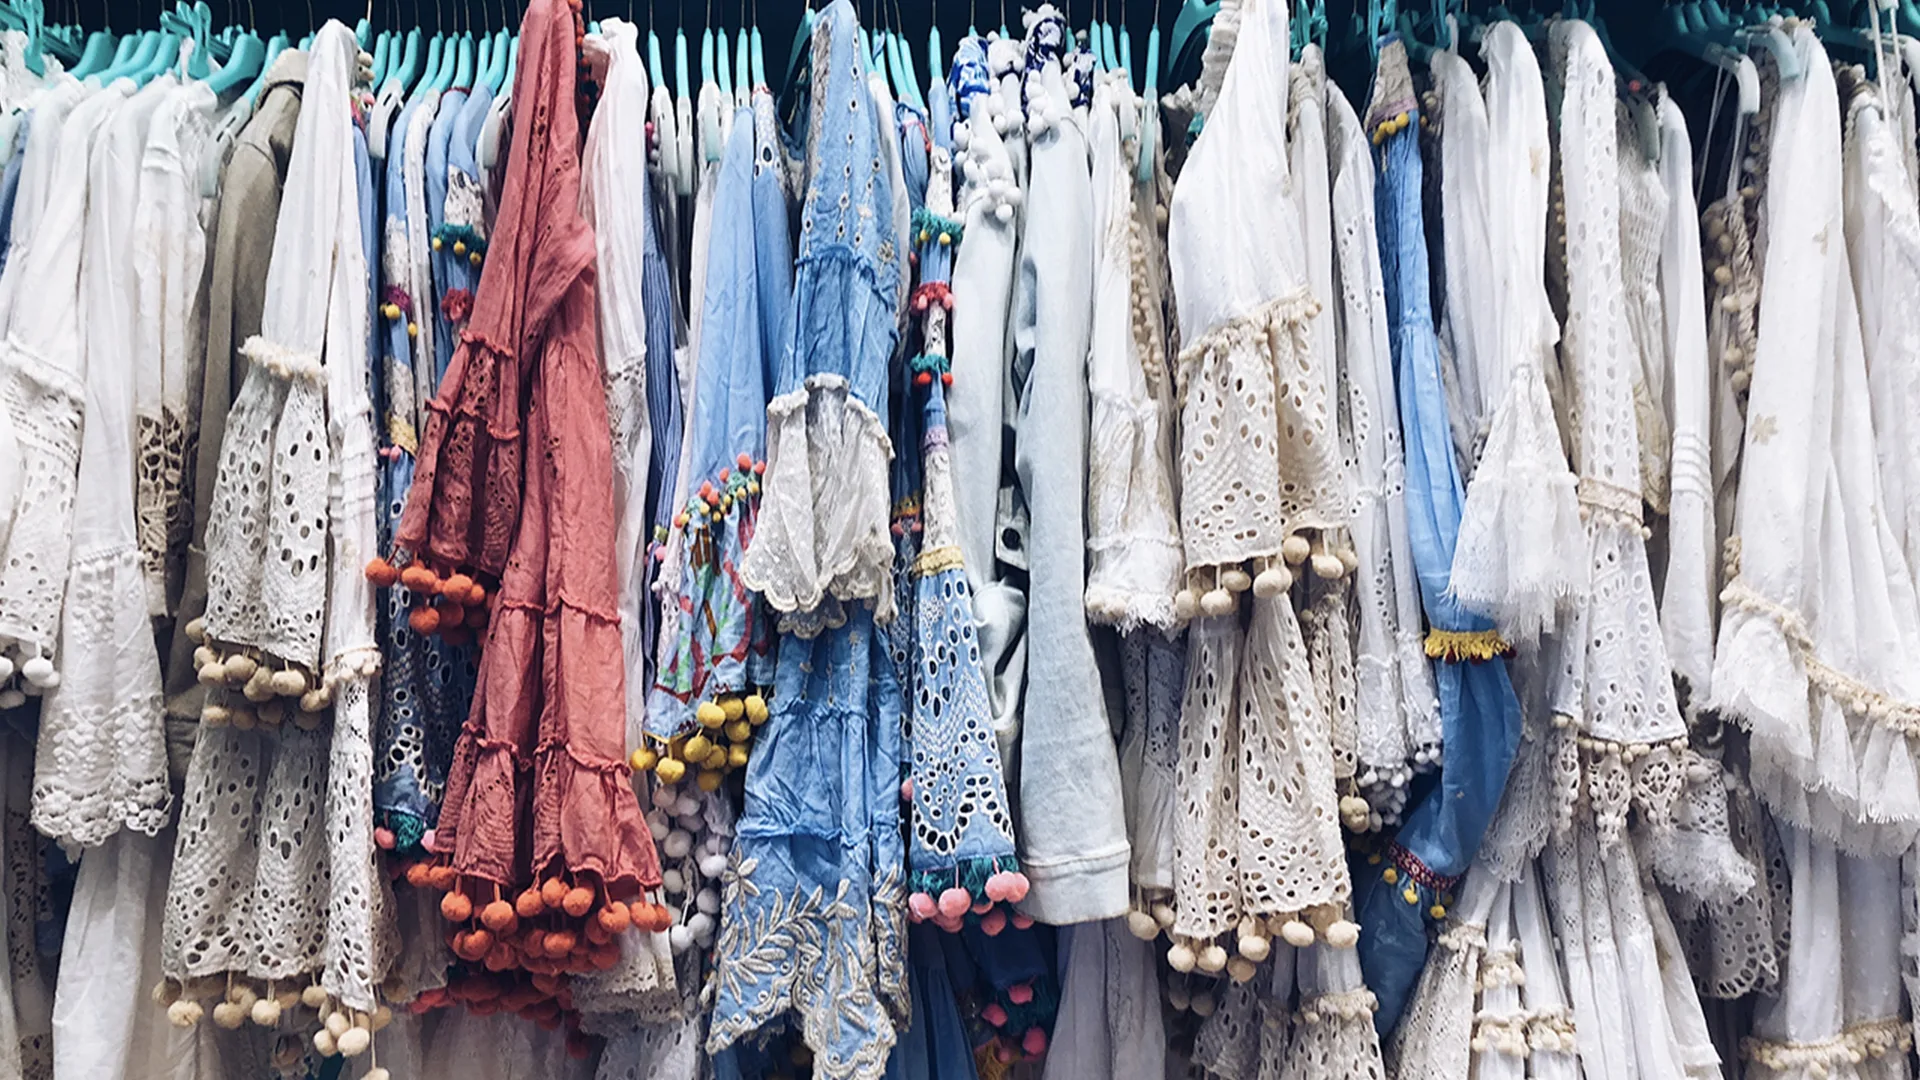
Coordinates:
[1194,18]
[802,34]
[1126,59]
[193,25]
[500,70]
[276,45]
[742,87]
[484,62]
[163,58]
[135,61]
[1143,165]
[382,45]
[680,92]
[443,75]
[706,60]
[463,65]
[913,73]
[362,32]
[1114,60]
[935,57]
[409,60]
[1093,46]
[97,55]
[244,64]
[725,64]
[432,72]
[759,62]
[654,67]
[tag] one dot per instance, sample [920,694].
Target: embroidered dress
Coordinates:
[962,822]
[823,527]
[1245,301]
[1516,559]
[1816,638]
[1394,695]
[1480,718]
[551,697]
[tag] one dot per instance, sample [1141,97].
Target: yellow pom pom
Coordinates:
[437,243]
[459,247]
[733,708]
[737,756]
[413,329]
[709,780]
[710,714]
[473,257]
[696,749]
[390,309]
[716,758]
[756,709]
[1390,875]
[739,730]
[643,759]
[1438,911]
[1410,895]
[670,770]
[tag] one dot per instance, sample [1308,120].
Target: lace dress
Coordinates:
[548,721]
[1517,559]
[1245,305]
[1479,716]
[1817,631]
[1395,702]
[1133,534]
[1255,759]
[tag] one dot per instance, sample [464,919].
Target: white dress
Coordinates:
[1395,701]
[1817,640]
[1518,556]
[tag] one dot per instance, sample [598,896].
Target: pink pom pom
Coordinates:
[906,790]
[994,1014]
[994,922]
[427,838]
[1016,886]
[1004,1052]
[1022,922]
[951,926]
[921,906]
[997,886]
[383,839]
[955,902]
[1020,993]
[982,906]
[1034,1041]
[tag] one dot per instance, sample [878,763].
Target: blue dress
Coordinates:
[1479,714]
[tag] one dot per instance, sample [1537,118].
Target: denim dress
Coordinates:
[1479,714]
[813,922]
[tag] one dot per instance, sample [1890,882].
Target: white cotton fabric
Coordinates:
[1692,583]
[1818,636]
[1397,707]
[1518,558]
[616,201]
[1133,536]
[1468,191]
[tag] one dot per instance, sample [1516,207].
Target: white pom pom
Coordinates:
[1296,933]
[1003,213]
[1235,580]
[700,924]
[229,1015]
[1295,549]
[1240,969]
[679,938]
[663,799]
[1141,925]
[1213,960]
[323,1042]
[677,844]
[376,1073]
[39,671]
[712,866]
[1216,602]
[658,825]
[6,668]
[381,1017]
[313,996]
[1203,1005]
[1185,605]
[337,1024]
[1327,567]
[1343,934]
[1254,947]
[197,631]
[354,1041]
[1272,581]
[1163,914]
[184,1014]
[673,881]
[266,1012]
[708,901]
[1180,957]
[685,805]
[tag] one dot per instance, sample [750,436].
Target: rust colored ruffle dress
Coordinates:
[515,482]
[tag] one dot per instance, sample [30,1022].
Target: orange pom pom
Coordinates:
[534,942]
[659,919]
[501,957]
[605,956]
[424,620]
[476,595]
[455,907]
[382,573]
[548,1023]
[442,877]
[484,990]
[560,942]
[497,916]
[529,905]
[479,943]
[614,918]
[553,891]
[547,984]
[577,902]
[417,875]
[597,934]
[462,947]
[451,615]
[455,588]
[418,578]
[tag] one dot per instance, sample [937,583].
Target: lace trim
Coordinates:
[1854,696]
[1456,646]
[288,363]
[1247,329]
[934,560]
[1519,1034]
[1609,498]
[1870,1039]
[1340,1004]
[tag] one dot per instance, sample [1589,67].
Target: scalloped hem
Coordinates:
[827,455]
[1701,865]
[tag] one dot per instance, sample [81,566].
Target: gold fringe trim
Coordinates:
[934,560]
[401,434]
[1458,645]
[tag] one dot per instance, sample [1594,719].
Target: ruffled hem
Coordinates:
[822,528]
[1130,609]
[1701,865]
[1830,753]
[1518,558]
[288,363]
